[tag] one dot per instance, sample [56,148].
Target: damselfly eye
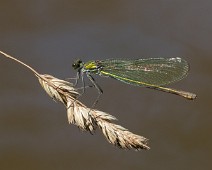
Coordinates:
[77,64]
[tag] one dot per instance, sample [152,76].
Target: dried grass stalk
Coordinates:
[120,136]
[57,89]
[85,118]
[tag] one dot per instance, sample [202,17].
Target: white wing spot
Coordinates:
[178,59]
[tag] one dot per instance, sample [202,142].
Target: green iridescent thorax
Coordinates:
[91,66]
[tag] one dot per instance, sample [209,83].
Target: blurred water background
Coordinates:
[50,35]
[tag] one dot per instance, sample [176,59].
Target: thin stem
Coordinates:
[30,68]
[20,62]
[35,72]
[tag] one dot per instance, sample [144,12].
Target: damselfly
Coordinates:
[152,73]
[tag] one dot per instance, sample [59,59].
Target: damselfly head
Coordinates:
[77,64]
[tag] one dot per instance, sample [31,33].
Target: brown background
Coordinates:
[50,35]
